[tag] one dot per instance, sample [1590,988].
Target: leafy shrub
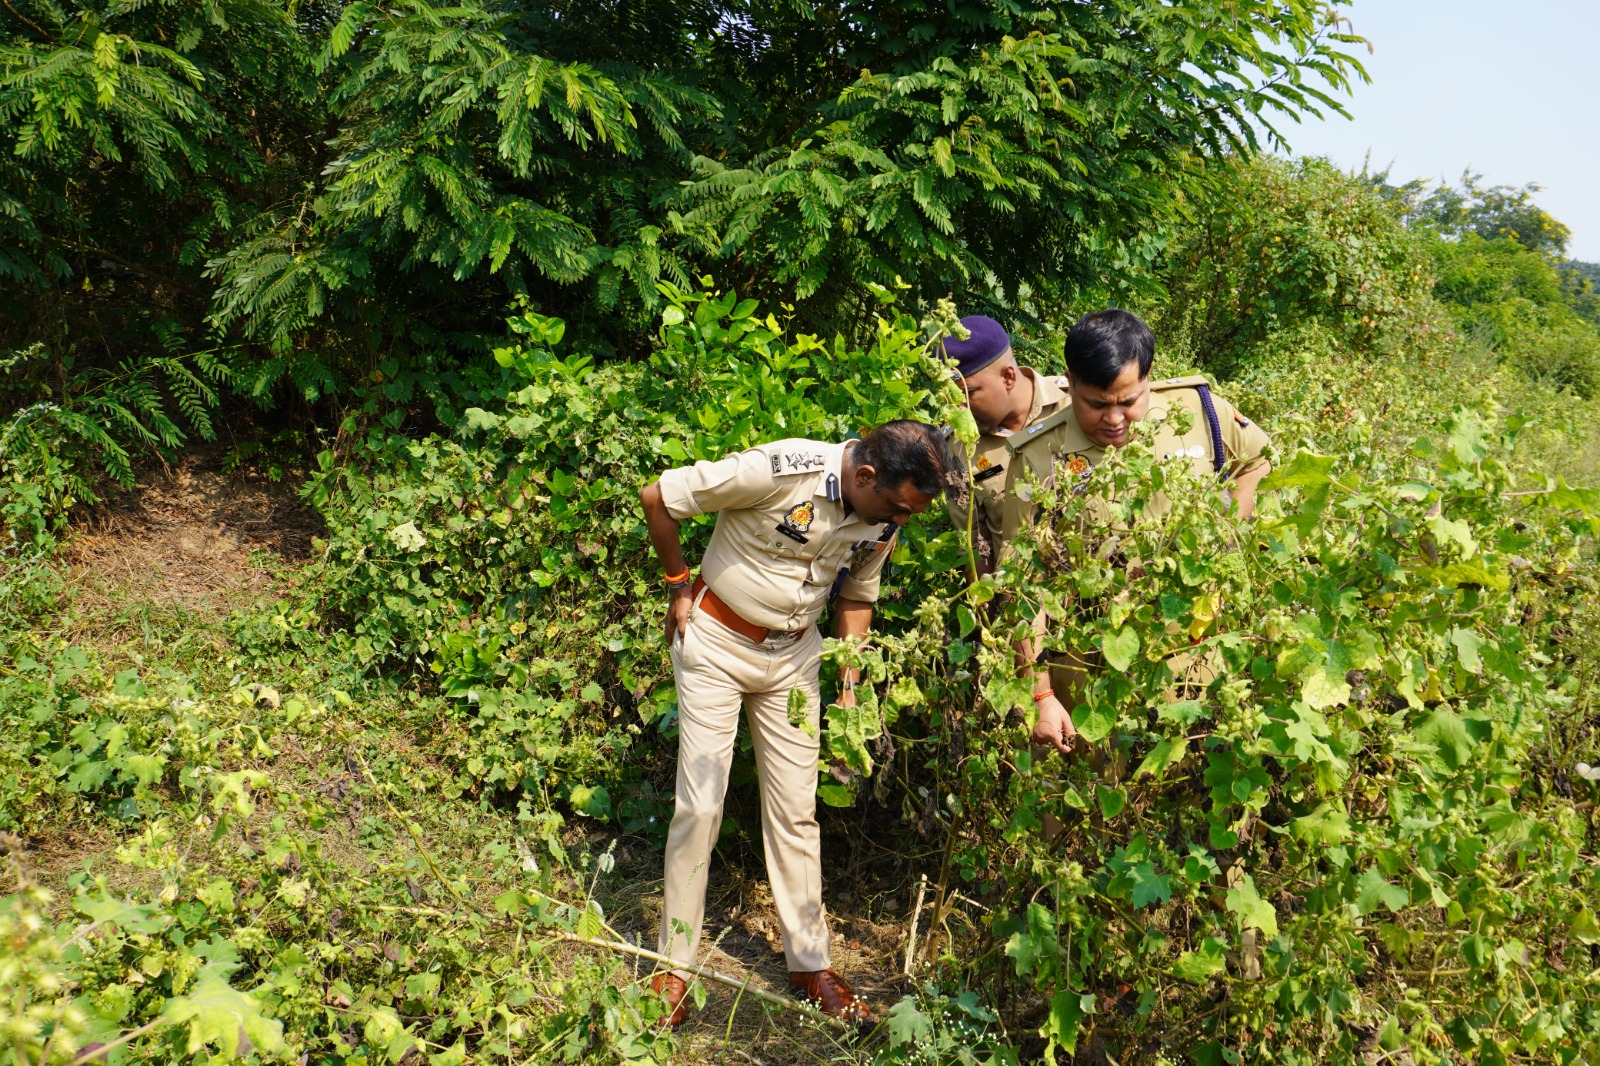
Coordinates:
[1311,822]
[1284,246]
[511,562]
[1512,300]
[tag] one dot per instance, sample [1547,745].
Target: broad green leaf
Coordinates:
[1253,911]
[1467,644]
[1447,734]
[1067,1011]
[1167,753]
[217,1015]
[1327,825]
[1120,647]
[1372,892]
[907,1024]
[1305,470]
[1201,965]
[1112,801]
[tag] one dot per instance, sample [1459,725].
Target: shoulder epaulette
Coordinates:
[1022,437]
[1187,382]
[796,455]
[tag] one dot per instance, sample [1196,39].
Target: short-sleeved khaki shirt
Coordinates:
[782,539]
[990,459]
[1037,450]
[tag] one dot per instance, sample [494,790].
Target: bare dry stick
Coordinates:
[916,915]
[709,974]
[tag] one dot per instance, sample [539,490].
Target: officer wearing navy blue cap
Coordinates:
[1003,398]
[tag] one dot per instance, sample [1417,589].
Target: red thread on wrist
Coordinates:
[1037,696]
[673,579]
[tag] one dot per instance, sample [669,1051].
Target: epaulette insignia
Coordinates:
[1020,439]
[1186,382]
[1241,419]
[831,488]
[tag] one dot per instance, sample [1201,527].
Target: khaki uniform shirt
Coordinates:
[989,462]
[1036,450]
[782,538]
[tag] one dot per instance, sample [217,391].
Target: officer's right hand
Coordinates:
[678,607]
[1054,729]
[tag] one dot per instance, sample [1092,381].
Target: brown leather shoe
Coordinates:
[671,987]
[831,994]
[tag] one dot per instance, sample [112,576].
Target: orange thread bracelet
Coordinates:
[674,579]
[1037,696]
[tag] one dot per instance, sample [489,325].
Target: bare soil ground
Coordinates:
[188,536]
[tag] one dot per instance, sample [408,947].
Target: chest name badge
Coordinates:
[987,470]
[797,520]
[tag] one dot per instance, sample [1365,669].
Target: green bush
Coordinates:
[510,561]
[1314,820]
[1283,247]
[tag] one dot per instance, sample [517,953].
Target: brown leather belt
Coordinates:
[713,605]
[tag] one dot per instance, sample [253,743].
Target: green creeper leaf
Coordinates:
[1447,734]
[1584,927]
[1036,940]
[1372,892]
[593,801]
[672,316]
[591,923]
[1166,754]
[835,795]
[1067,1011]
[1467,644]
[478,418]
[1201,965]
[144,918]
[1120,647]
[1095,723]
[1112,800]
[1305,470]
[1327,825]
[217,1015]
[907,1024]
[1448,531]
[1253,911]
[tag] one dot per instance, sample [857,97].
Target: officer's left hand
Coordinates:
[1054,729]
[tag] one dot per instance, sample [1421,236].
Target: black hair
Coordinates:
[1102,343]
[904,450]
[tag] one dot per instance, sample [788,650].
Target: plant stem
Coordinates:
[103,1049]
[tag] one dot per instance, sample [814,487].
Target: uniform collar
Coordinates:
[831,485]
[1046,393]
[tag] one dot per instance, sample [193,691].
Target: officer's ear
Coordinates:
[1008,376]
[866,476]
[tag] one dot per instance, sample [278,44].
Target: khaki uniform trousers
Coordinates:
[717,672]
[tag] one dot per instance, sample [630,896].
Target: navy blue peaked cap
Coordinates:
[987,343]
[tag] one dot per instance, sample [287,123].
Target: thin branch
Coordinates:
[104,1049]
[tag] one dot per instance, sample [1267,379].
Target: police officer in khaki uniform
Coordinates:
[1108,357]
[798,522]
[1003,398]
